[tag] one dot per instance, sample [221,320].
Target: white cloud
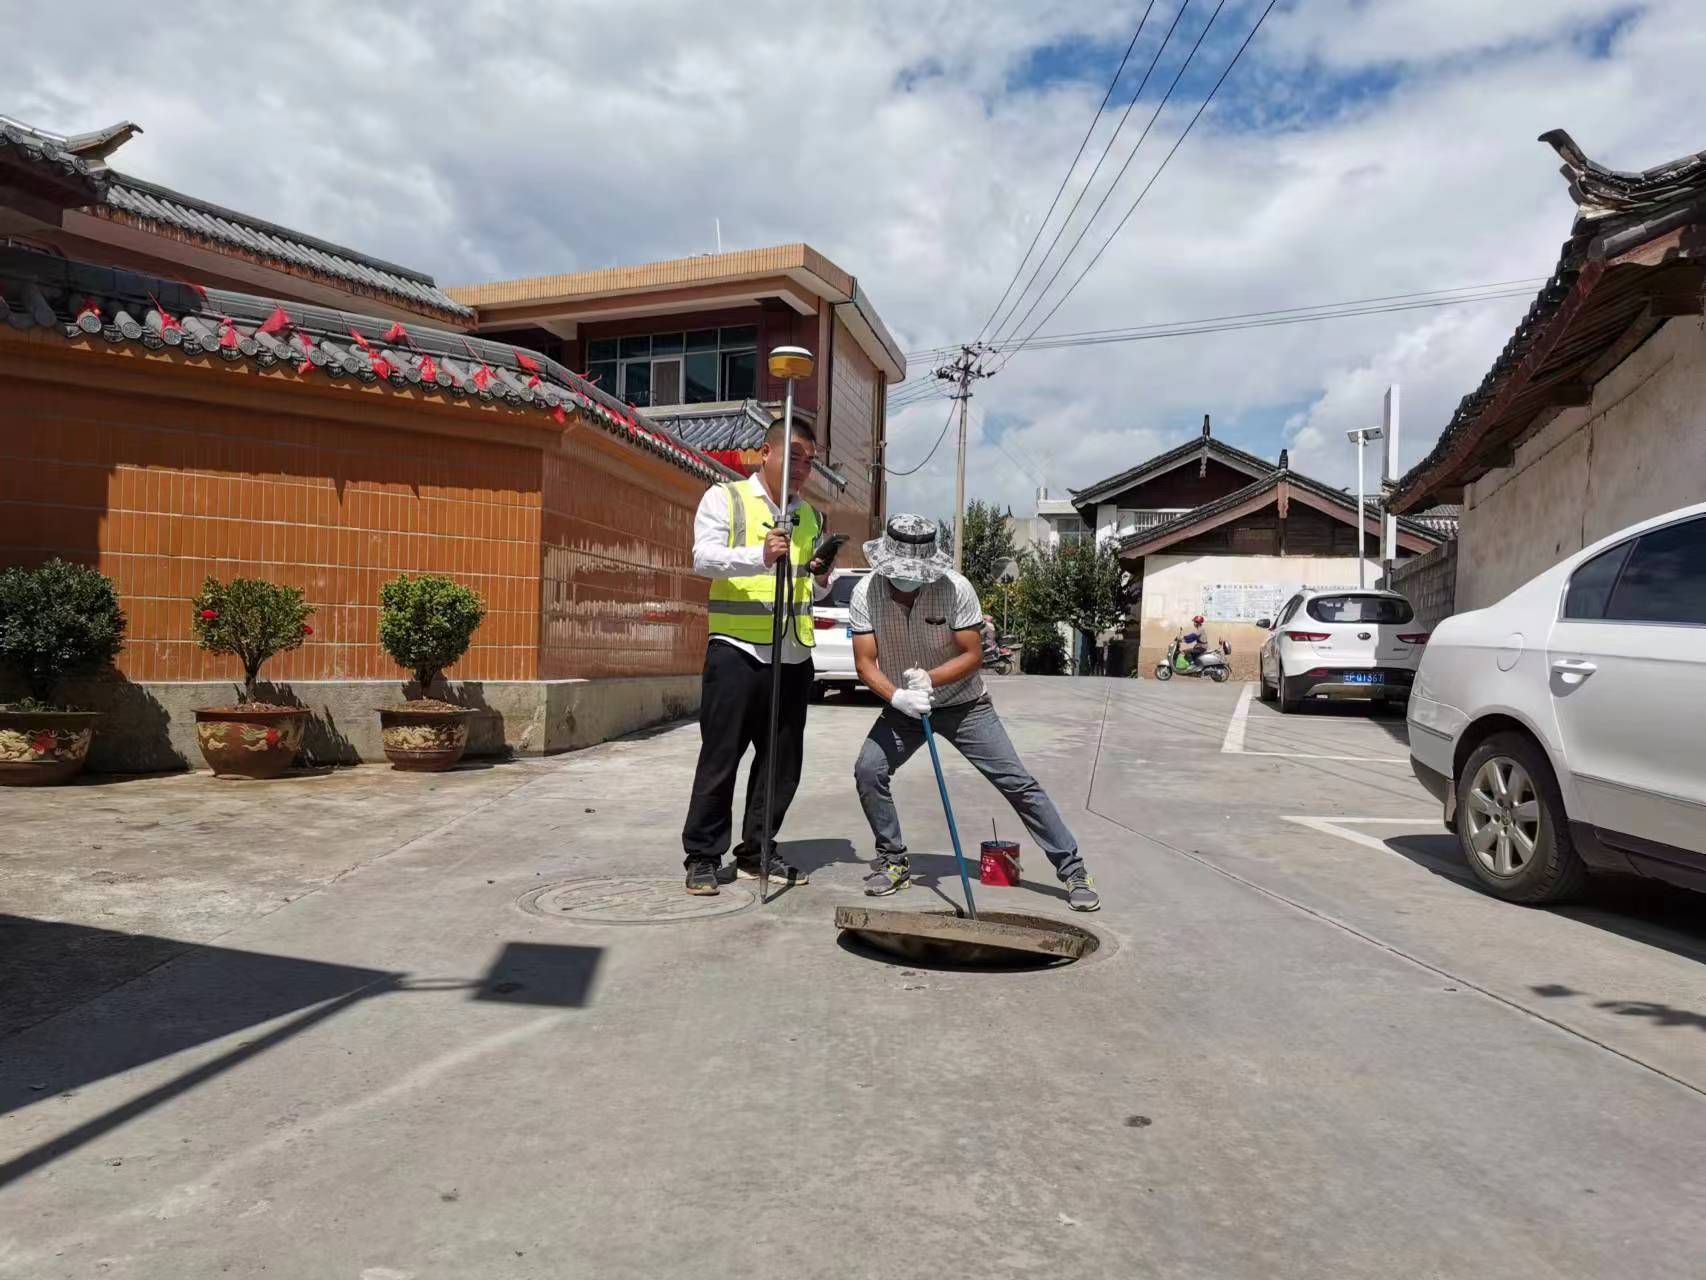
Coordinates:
[1395,151]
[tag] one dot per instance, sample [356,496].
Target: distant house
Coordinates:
[685,341]
[1594,415]
[1209,529]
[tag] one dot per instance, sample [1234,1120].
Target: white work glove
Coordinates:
[913,702]
[916,678]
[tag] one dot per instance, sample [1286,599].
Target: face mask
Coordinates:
[907,585]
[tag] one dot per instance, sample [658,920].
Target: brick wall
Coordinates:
[1430,582]
[160,471]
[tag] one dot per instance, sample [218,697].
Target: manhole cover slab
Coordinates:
[631,900]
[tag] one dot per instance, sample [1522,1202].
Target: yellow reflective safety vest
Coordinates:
[743,608]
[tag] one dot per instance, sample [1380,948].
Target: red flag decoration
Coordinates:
[88,306]
[533,381]
[527,362]
[360,341]
[228,335]
[275,322]
[396,333]
[429,370]
[482,376]
[558,414]
[381,366]
[167,320]
[307,346]
[198,290]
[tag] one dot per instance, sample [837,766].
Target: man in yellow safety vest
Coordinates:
[738,535]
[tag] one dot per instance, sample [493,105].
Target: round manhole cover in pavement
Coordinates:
[631,900]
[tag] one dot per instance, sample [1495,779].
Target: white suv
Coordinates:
[1564,727]
[832,654]
[1340,644]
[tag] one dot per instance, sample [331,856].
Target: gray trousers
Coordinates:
[976,731]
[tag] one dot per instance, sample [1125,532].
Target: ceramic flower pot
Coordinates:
[253,741]
[41,748]
[424,737]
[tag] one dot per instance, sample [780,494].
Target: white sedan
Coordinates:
[832,652]
[1564,727]
[1340,644]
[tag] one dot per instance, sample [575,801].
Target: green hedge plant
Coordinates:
[251,620]
[56,621]
[427,623]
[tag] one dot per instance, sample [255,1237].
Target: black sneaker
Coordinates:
[887,877]
[703,876]
[746,867]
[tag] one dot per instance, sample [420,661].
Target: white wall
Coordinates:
[1638,450]
[1173,594]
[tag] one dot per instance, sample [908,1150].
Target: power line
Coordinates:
[1067,176]
[1119,177]
[1527,283]
[941,436]
[1100,160]
[1153,177]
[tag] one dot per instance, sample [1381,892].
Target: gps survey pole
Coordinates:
[790,364]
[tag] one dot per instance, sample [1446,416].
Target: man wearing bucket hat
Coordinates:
[917,644]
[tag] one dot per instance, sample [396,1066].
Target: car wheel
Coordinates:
[819,689]
[1512,826]
[1288,704]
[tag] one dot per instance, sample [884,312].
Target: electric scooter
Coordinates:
[1181,663]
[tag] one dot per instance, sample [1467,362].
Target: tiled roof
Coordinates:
[81,301]
[1206,513]
[1164,462]
[1565,336]
[52,159]
[740,426]
[122,198]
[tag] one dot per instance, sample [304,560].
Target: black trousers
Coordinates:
[734,713]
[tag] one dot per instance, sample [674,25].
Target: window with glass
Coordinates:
[1070,530]
[1664,580]
[688,367]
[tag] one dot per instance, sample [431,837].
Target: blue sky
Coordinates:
[1361,148]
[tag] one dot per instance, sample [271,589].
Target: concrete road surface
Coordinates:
[345,1027]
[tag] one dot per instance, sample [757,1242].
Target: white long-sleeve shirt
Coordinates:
[713,557]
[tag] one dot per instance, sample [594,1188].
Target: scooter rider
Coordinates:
[917,644]
[1196,640]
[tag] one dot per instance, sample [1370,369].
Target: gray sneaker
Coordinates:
[888,877]
[1081,893]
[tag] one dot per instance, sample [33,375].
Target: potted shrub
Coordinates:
[56,621]
[251,620]
[425,624]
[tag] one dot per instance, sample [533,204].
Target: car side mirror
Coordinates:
[1266,624]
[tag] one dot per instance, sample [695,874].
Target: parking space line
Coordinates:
[1233,743]
[1341,827]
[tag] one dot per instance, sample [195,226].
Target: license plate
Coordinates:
[1365,677]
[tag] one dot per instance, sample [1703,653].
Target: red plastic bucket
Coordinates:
[1000,863]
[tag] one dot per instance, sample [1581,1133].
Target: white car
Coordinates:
[1564,727]
[832,655]
[1340,644]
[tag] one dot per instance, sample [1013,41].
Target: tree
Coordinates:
[1081,585]
[55,621]
[251,620]
[988,547]
[427,623]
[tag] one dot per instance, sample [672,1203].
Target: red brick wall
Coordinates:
[619,594]
[160,472]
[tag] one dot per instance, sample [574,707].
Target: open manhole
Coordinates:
[995,940]
[631,900]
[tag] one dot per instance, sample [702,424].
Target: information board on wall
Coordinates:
[1251,601]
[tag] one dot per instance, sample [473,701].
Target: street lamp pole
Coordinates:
[1360,436]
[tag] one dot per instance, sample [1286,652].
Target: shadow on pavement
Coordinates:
[1644,911]
[187,994]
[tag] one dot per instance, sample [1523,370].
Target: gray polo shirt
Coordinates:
[922,636]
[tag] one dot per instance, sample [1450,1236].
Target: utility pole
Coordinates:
[966,369]
[1360,436]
